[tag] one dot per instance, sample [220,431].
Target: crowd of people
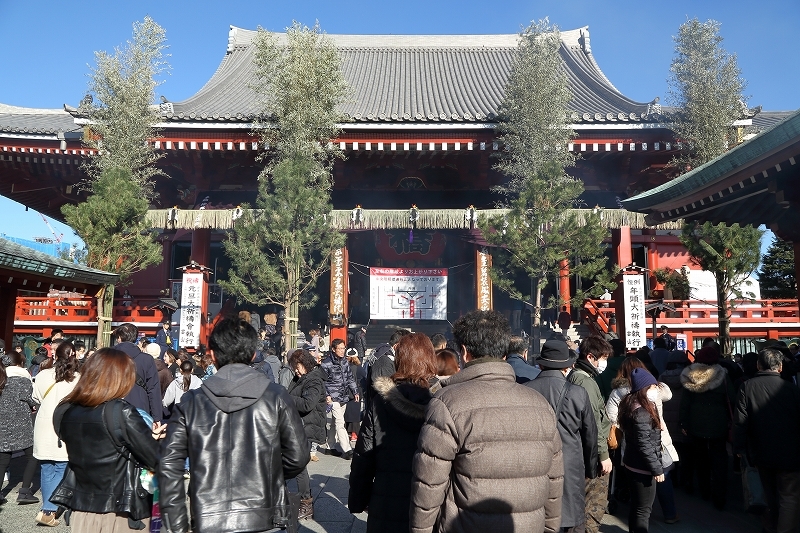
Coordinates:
[470,434]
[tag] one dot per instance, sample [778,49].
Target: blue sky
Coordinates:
[50,45]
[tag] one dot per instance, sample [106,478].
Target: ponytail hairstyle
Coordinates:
[65,363]
[186,372]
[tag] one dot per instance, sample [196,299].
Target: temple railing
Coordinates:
[81,310]
[744,313]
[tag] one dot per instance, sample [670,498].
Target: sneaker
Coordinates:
[671,520]
[314,458]
[186,474]
[47,518]
[353,436]
[347,455]
[25,496]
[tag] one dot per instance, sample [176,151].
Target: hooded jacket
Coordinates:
[707,401]
[488,456]
[380,474]
[243,438]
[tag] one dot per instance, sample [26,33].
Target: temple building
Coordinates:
[420,148]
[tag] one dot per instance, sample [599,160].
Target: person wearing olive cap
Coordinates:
[576,425]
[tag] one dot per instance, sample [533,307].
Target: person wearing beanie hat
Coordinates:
[643,458]
[705,417]
[576,425]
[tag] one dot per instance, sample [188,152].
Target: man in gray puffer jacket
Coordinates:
[489,453]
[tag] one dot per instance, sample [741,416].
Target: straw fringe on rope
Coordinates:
[372,219]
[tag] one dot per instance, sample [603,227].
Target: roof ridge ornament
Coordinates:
[232,38]
[583,40]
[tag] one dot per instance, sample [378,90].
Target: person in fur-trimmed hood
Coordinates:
[380,474]
[705,417]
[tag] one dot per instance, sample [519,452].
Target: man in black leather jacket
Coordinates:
[243,437]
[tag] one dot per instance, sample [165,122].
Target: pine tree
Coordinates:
[706,87]
[731,254]
[112,224]
[777,274]
[279,249]
[539,233]
[122,110]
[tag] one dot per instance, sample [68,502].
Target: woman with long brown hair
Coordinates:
[16,428]
[52,385]
[104,435]
[380,474]
[642,457]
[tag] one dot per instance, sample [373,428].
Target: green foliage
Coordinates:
[731,254]
[122,110]
[111,223]
[706,85]
[539,232]
[676,281]
[777,274]
[279,249]
[532,121]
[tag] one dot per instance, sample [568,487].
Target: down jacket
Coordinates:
[642,443]
[622,388]
[488,456]
[308,393]
[339,381]
[16,427]
[578,432]
[706,405]
[380,474]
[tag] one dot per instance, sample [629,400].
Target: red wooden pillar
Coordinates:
[563,283]
[621,242]
[339,294]
[8,305]
[652,258]
[201,246]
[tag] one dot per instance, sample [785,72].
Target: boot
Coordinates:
[25,496]
[306,509]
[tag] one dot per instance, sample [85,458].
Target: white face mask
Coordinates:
[602,364]
[652,395]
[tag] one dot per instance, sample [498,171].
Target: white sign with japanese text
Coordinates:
[408,293]
[635,316]
[191,309]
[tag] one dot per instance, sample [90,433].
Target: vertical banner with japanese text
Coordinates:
[408,293]
[483,280]
[339,290]
[635,316]
[191,309]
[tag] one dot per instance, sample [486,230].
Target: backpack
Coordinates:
[285,376]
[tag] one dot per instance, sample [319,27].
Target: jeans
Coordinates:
[643,493]
[30,467]
[52,474]
[782,492]
[666,497]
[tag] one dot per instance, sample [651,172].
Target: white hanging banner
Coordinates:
[191,309]
[408,293]
[635,316]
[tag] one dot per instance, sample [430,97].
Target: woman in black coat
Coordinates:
[380,474]
[642,457]
[307,390]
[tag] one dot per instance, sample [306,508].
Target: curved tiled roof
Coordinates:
[418,78]
[15,119]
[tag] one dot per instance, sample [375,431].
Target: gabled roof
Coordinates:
[14,119]
[17,258]
[419,78]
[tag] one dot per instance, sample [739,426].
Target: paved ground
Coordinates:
[329,486]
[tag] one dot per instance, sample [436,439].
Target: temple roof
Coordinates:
[757,182]
[419,78]
[14,119]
